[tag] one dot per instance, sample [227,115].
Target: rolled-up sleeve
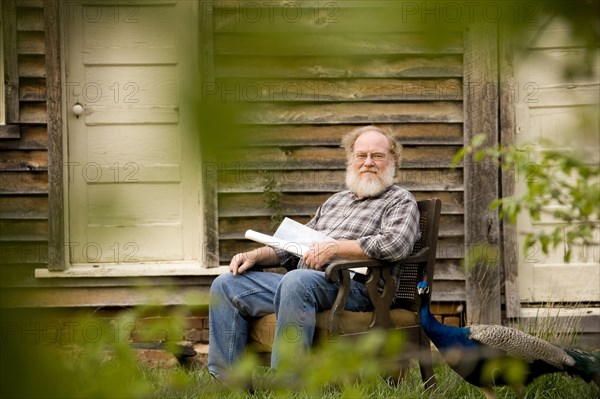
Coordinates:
[288,260]
[398,234]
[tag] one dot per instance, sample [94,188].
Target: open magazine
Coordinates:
[294,238]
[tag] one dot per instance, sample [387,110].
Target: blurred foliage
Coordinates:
[94,359]
[513,371]
[348,365]
[217,121]
[54,353]
[560,185]
[88,362]
[100,364]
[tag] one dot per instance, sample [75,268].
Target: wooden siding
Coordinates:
[24,159]
[303,84]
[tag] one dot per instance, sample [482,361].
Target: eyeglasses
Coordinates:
[375,156]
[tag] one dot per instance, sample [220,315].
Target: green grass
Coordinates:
[190,384]
[329,373]
[108,369]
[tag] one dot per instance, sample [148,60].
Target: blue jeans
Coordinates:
[294,297]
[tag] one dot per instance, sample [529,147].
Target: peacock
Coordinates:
[492,355]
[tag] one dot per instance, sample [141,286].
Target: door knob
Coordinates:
[77,109]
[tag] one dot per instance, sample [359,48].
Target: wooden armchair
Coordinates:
[395,306]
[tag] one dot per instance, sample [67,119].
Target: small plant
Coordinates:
[554,323]
[481,263]
[272,197]
[559,184]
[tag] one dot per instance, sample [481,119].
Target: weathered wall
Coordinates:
[307,75]
[24,157]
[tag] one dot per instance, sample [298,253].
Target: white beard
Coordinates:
[368,185]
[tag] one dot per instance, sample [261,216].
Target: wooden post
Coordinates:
[56,231]
[208,159]
[481,178]
[510,250]
[11,130]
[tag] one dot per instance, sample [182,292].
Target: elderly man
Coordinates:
[372,219]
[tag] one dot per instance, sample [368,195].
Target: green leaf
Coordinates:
[478,140]
[458,157]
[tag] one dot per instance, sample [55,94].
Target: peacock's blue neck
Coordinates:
[441,335]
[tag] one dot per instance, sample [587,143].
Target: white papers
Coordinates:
[293,237]
[290,230]
[275,242]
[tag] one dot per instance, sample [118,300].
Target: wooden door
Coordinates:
[132,169]
[551,107]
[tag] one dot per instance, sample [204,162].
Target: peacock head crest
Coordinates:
[423,288]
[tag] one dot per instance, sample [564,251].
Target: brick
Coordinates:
[193,335]
[157,329]
[205,336]
[446,308]
[149,336]
[196,323]
[452,321]
[156,358]
[201,348]
[153,322]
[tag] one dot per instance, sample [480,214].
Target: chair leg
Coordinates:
[426,362]
[398,371]
[404,367]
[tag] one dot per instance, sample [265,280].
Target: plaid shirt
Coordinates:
[386,227]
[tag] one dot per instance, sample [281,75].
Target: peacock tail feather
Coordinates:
[521,345]
[587,365]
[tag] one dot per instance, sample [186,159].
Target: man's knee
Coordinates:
[298,282]
[297,278]
[220,283]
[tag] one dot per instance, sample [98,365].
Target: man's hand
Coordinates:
[320,253]
[245,260]
[242,262]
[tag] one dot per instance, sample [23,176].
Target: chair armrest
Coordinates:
[332,270]
[338,271]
